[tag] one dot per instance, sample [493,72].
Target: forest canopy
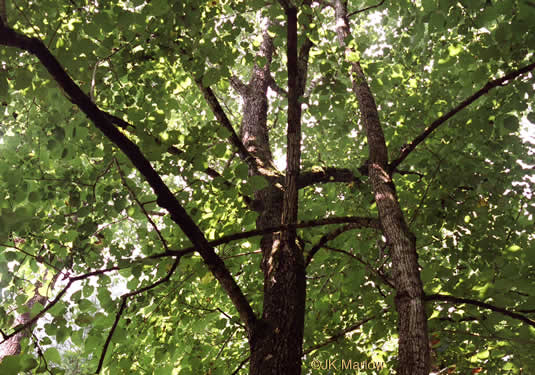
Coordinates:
[267,187]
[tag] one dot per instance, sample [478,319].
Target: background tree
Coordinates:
[273,185]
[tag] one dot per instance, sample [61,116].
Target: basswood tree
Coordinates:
[271,187]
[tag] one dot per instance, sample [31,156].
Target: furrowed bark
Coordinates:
[276,342]
[413,346]
[166,199]
[280,350]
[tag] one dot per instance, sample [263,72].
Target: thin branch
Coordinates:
[339,335]
[457,300]
[424,195]
[359,222]
[165,198]
[503,81]
[223,346]
[364,263]
[242,363]
[134,197]
[108,339]
[124,298]
[326,238]
[56,300]
[365,9]
[275,87]
[222,118]
[3,13]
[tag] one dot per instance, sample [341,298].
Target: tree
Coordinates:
[396,235]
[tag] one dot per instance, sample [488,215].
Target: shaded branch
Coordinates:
[365,264]
[124,298]
[279,90]
[110,335]
[465,103]
[3,13]
[141,206]
[222,118]
[328,237]
[238,85]
[165,198]
[324,175]
[56,300]
[242,363]
[339,335]
[457,300]
[359,222]
[365,9]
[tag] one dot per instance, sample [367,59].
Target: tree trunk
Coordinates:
[276,340]
[413,346]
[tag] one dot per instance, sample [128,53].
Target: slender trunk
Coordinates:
[413,346]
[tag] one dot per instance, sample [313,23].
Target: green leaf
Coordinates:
[52,354]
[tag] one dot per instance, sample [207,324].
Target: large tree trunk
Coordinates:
[276,341]
[413,346]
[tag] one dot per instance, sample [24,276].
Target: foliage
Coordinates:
[71,202]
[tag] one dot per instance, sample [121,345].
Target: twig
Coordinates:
[424,195]
[326,238]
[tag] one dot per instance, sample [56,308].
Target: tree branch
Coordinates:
[465,103]
[221,116]
[365,264]
[279,90]
[238,85]
[457,300]
[110,335]
[141,206]
[365,9]
[3,13]
[55,301]
[165,197]
[359,222]
[339,335]
[329,237]
[124,298]
[324,175]
[173,151]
